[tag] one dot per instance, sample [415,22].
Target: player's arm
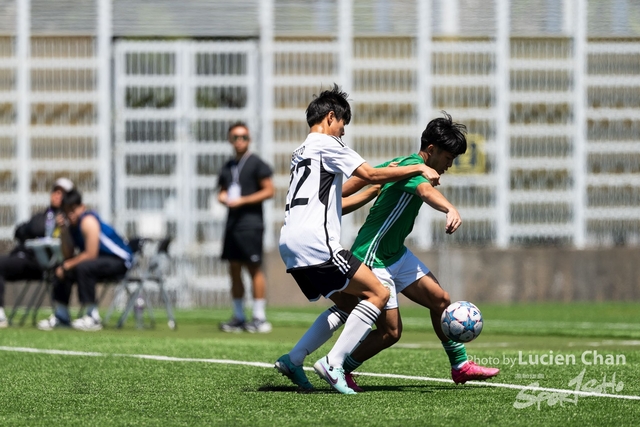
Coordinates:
[90,229]
[266,192]
[222,196]
[358,200]
[373,175]
[66,241]
[437,201]
[352,186]
[355,184]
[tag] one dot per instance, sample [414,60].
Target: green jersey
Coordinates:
[380,241]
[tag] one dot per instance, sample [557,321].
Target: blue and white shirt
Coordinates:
[110,241]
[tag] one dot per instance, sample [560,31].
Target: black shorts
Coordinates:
[243,245]
[326,278]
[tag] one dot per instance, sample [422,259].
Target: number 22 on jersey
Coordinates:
[298,178]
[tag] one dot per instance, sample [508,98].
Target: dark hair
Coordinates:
[71,199]
[445,134]
[236,125]
[329,100]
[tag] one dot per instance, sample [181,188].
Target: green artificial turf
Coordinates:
[107,383]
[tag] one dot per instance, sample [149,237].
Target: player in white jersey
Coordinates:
[310,237]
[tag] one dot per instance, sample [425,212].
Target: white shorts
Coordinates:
[399,275]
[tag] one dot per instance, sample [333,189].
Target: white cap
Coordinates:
[65,183]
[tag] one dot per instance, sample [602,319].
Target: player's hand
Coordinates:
[377,188]
[431,175]
[222,197]
[61,220]
[60,272]
[233,204]
[453,221]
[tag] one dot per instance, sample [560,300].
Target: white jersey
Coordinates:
[313,213]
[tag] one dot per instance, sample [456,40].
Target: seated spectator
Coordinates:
[103,255]
[20,263]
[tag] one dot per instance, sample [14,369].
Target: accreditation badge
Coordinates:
[234,191]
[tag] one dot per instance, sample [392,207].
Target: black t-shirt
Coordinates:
[252,171]
[32,229]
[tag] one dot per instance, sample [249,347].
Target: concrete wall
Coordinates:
[514,275]
[477,275]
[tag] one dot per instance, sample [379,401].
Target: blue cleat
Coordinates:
[332,375]
[293,372]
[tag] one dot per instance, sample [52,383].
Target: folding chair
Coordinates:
[144,269]
[49,257]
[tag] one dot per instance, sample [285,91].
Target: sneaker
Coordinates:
[3,322]
[294,372]
[51,323]
[260,326]
[87,323]
[233,325]
[470,371]
[333,375]
[351,382]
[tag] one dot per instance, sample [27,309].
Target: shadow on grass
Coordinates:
[416,388]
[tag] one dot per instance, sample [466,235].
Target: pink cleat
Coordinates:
[351,382]
[472,372]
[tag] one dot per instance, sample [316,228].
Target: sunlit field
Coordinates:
[575,364]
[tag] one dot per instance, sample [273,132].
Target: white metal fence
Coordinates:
[173,104]
[550,96]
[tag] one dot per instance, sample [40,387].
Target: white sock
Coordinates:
[2,314]
[238,308]
[318,334]
[258,309]
[356,328]
[460,365]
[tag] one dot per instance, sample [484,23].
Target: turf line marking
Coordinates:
[504,385]
[270,365]
[134,356]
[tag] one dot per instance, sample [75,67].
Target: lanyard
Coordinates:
[236,169]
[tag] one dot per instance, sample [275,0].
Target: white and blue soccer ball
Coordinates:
[461,321]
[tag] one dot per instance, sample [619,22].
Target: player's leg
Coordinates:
[14,268]
[253,253]
[233,253]
[258,322]
[290,364]
[427,292]
[319,333]
[238,321]
[389,324]
[87,274]
[61,294]
[373,297]
[388,332]
[322,329]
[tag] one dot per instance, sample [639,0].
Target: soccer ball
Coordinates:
[461,321]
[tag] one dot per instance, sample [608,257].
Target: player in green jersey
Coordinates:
[380,245]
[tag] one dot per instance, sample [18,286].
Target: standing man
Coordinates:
[21,262]
[103,254]
[244,183]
